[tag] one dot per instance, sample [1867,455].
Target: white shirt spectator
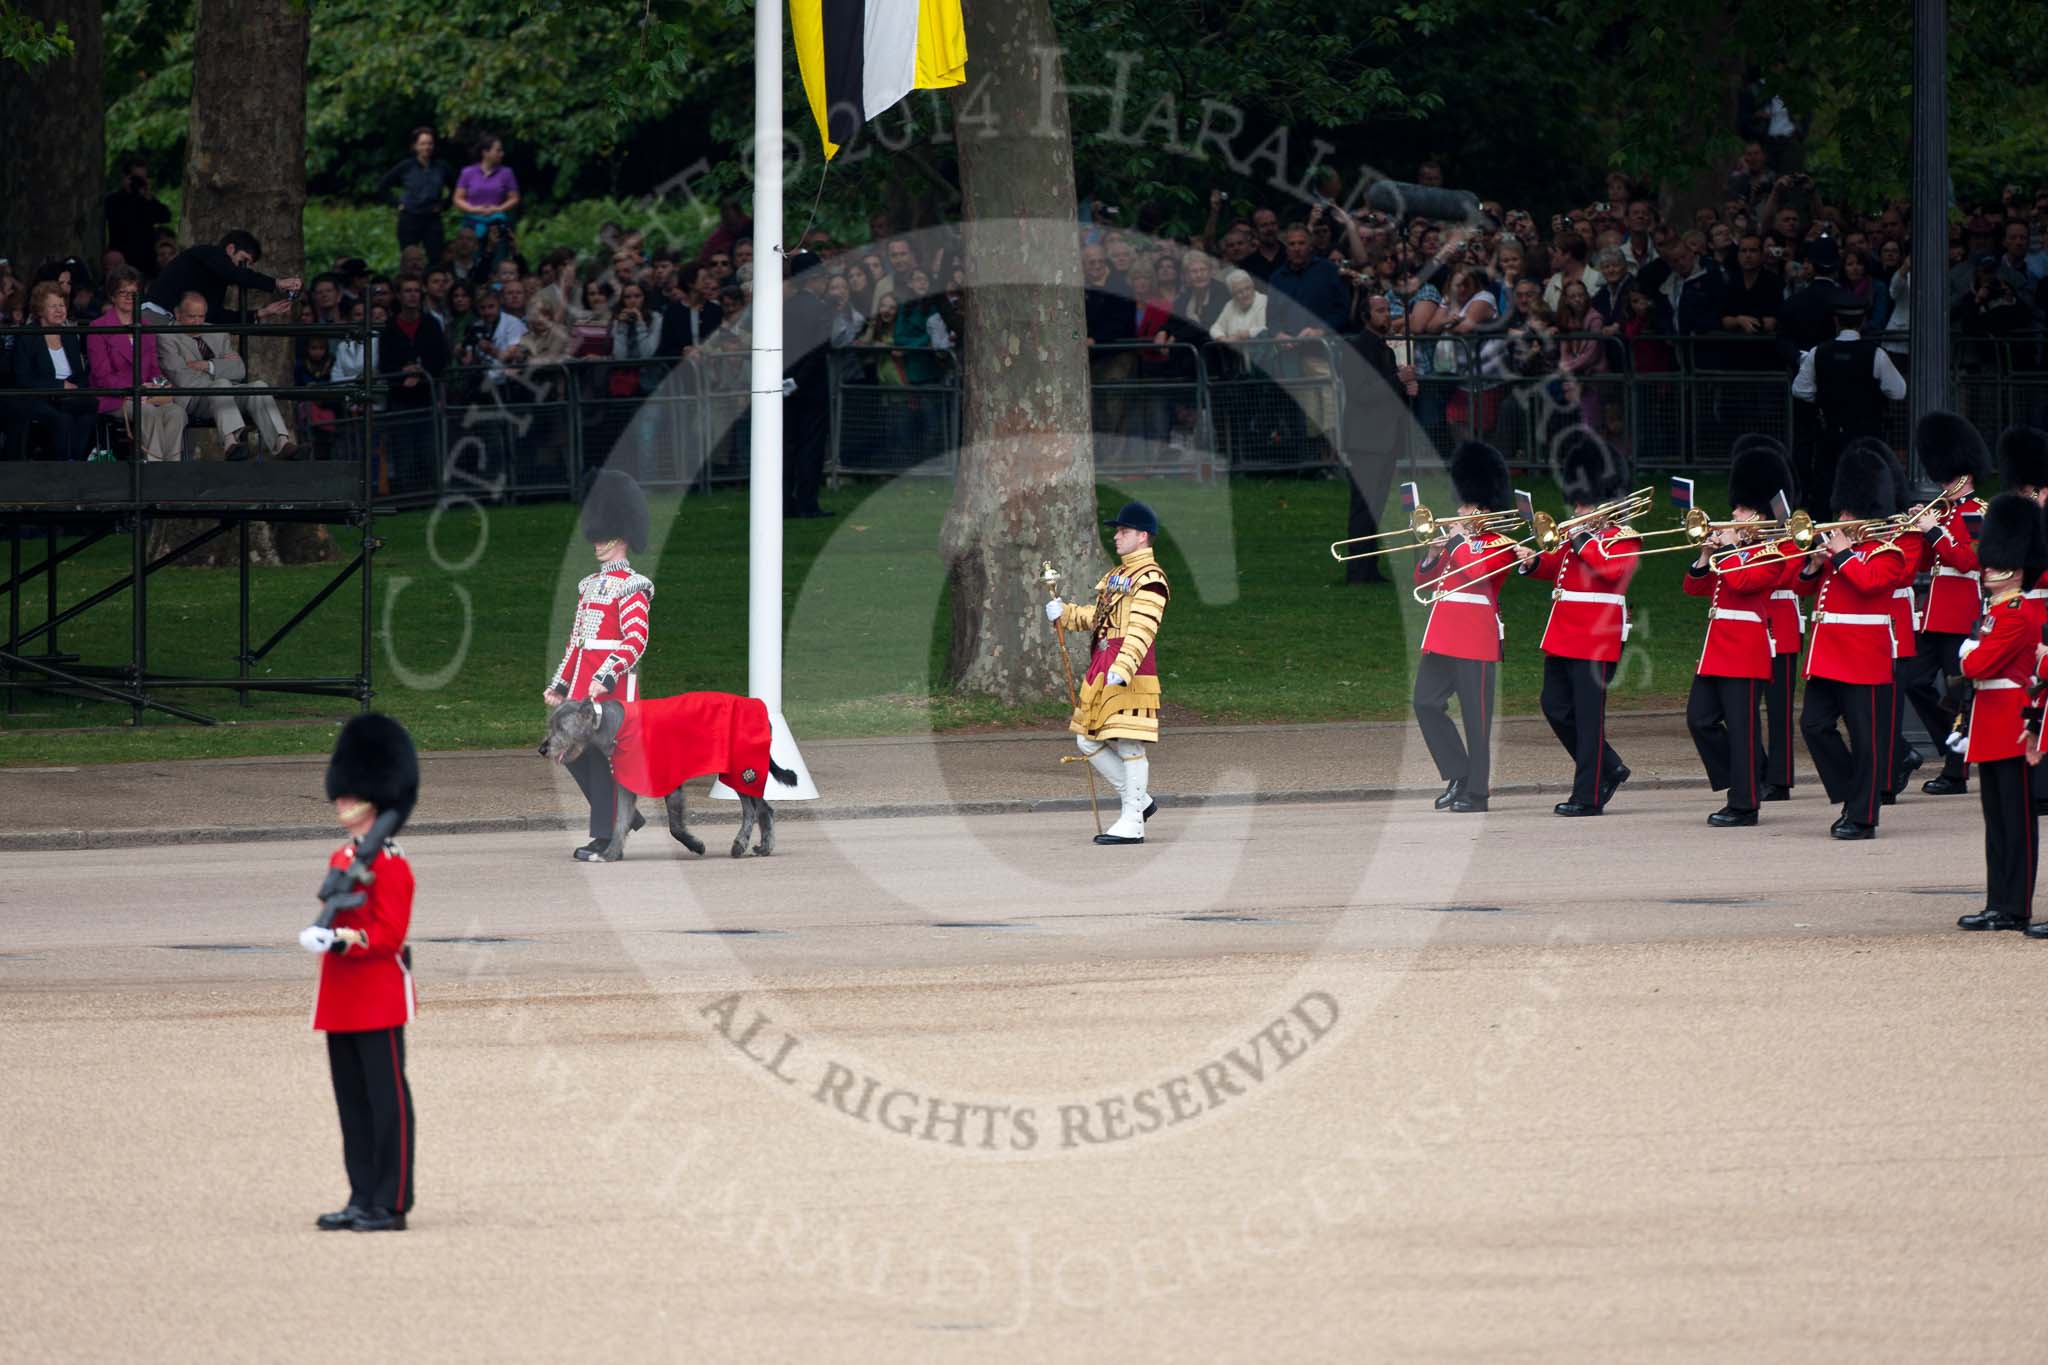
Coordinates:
[1900,323]
[1881,369]
[509,332]
[1235,321]
[1553,289]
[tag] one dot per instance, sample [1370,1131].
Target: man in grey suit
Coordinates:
[208,360]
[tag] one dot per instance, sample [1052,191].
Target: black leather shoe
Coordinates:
[1852,829]
[380,1220]
[1909,765]
[1118,839]
[1777,794]
[1467,805]
[1151,808]
[1984,919]
[2037,930]
[588,851]
[1945,786]
[639,823]
[1575,808]
[1608,789]
[338,1220]
[1887,798]
[1451,793]
[1729,818]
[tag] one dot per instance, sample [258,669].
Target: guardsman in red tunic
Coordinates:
[1849,658]
[1589,572]
[1737,575]
[366,993]
[1461,645]
[2023,465]
[607,637]
[2002,658]
[1787,626]
[1949,449]
[1905,759]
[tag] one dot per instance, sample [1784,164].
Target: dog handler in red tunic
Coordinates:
[607,636]
[366,993]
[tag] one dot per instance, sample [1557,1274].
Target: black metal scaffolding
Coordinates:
[57,509]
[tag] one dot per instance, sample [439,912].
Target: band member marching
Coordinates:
[1905,759]
[1590,571]
[366,993]
[2002,658]
[1461,646]
[1118,715]
[1788,627]
[1737,574]
[1849,658]
[1950,452]
[607,636]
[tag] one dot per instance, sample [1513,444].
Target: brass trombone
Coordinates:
[1424,525]
[1697,530]
[1547,533]
[1805,533]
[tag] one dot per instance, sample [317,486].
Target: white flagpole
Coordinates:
[764,507]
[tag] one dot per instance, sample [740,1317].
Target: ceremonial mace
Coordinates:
[1050,581]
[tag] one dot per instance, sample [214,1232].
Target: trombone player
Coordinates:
[1849,658]
[1461,571]
[1953,455]
[1788,632]
[1736,660]
[1589,568]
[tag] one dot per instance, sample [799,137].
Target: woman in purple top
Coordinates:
[157,422]
[487,192]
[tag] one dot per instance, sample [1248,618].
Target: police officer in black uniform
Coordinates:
[1847,380]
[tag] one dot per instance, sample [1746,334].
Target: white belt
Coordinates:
[1717,614]
[1476,599]
[1839,618]
[1605,599]
[604,644]
[2035,594]
[1998,685]
[1906,593]
[1944,571]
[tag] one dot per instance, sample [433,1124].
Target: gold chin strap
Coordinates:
[350,814]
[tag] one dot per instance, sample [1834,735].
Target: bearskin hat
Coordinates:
[374,761]
[1479,473]
[1863,482]
[1902,488]
[614,508]
[1757,474]
[1949,447]
[1588,469]
[2023,456]
[1762,440]
[2012,538]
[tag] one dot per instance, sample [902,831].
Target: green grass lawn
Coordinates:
[472,608]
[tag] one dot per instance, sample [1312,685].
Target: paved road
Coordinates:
[1292,1082]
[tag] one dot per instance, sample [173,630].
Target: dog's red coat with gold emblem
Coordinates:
[666,741]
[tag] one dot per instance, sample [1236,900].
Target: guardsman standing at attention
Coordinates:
[1737,575]
[1118,714]
[1950,452]
[1462,644]
[1849,658]
[366,994]
[2001,657]
[1590,571]
[607,636]
[2023,466]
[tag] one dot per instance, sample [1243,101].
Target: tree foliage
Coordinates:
[29,43]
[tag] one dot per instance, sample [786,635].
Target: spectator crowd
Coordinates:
[1498,302]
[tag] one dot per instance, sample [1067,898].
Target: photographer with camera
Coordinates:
[132,217]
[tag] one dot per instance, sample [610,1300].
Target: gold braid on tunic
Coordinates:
[1130,602]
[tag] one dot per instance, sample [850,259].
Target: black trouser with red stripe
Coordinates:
[2012,842]
[376,1116]
[1780,720]
[1935,654]
[1853,773]
[1722,715]
[1473,681]
[1574,701]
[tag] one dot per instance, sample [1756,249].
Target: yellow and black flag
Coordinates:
[859,57]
